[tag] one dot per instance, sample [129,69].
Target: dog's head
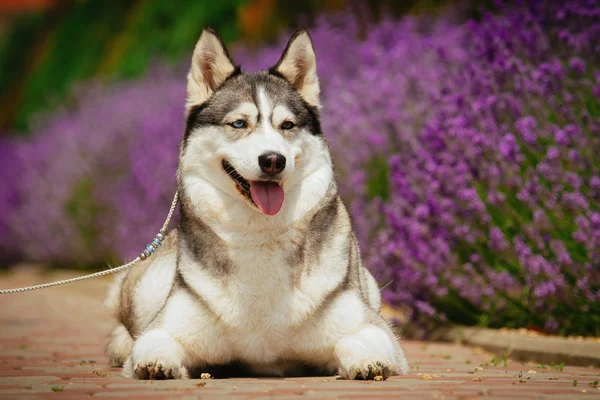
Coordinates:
[253,140]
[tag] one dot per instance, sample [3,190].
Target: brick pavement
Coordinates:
[51,347]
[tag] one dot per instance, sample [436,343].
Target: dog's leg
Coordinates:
[156,355]
[184,336]
[370,352]
[353,339]
[368,348]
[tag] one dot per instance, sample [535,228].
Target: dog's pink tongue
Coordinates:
[268,196]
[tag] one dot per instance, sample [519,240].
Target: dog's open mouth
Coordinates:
[267,196]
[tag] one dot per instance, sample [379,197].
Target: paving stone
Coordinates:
[52,344]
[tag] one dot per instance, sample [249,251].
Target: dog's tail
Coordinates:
[118,347]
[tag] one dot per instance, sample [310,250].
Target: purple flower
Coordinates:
[485,131]
[577,65]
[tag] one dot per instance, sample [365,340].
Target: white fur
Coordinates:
[374,293]
[119,346]
[299,66]
[157,347]
[154,287]
[371,344]
[210,67]
[306,177]
[112,296]
[261,313]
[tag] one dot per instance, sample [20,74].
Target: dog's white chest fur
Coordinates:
[260,289]
[266,297]
[262,303]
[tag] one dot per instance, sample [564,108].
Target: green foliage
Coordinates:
[76,47]
[82,209]
[43,55]
[159,28]
[378,178]
[16,46]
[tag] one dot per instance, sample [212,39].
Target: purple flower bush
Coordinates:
[466,151]
[493,208]
[94,184]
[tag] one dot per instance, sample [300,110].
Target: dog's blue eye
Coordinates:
[239,124]
[287,125]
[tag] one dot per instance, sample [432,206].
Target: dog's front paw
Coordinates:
[369,354]
[366,370]
[159,370]
[156,355]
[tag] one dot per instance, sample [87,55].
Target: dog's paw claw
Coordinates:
[367,371]
[156,371]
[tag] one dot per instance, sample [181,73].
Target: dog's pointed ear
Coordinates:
[211,66]
[298,64]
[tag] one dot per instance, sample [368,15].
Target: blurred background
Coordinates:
[465,134]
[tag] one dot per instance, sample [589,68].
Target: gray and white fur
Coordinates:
[264,270]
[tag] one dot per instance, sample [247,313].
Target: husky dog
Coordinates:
[264,269]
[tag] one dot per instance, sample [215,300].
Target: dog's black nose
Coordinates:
[271,163]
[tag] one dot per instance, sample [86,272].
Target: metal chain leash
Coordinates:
[150,249]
